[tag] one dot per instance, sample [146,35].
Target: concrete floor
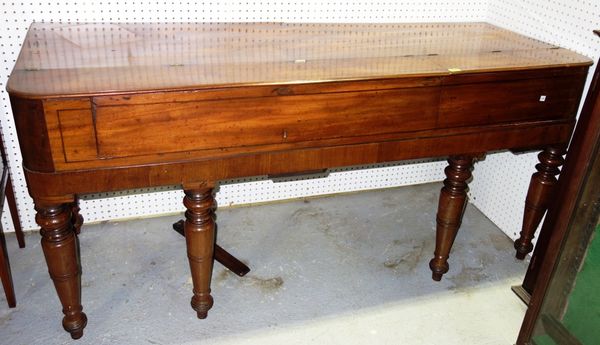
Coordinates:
[347,269]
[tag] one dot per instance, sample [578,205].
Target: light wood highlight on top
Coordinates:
[59,59]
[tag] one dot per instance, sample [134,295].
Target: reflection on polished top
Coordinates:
[78,59]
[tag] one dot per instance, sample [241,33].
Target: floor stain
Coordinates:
[306,212]
[4,319]
[311,213]
[393,263]
[223,275]
[500,241]
[409,260]
[487,259]
[468,276]
[265,284]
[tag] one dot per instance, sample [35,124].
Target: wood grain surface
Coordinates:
[60,59]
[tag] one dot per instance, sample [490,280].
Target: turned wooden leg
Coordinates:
[60,246]
[539,196]
[221,255]
[199,230]
[450,210]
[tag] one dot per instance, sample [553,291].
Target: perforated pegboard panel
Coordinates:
[487,188]
[500,181]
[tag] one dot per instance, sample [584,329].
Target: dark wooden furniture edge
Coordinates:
[7,191]
[14,212]
[113,179]
[12,202]
[5,273]
[523,295]
[450,77]
[544,236]
[30,114]
[582,158]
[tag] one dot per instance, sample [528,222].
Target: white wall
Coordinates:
[500,181]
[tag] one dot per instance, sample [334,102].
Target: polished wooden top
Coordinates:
[83,59]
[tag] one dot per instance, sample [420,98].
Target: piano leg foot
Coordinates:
[451,206]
